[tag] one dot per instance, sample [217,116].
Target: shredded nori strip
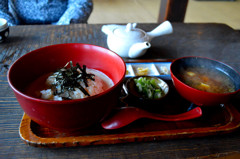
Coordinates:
[69,78]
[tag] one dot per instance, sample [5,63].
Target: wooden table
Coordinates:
[216,41]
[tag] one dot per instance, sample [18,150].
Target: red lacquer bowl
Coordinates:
[67,115]
[198,97]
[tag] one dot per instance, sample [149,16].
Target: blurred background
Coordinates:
[146,11]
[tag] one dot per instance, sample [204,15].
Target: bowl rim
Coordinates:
[64,101]
[4,24]
[196,90]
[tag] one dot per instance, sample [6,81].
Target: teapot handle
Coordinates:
[163,29]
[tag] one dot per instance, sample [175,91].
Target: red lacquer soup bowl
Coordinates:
[67,115]
[200,95]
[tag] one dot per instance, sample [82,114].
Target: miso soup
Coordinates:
[208,80]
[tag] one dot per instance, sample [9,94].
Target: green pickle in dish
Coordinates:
[149,88]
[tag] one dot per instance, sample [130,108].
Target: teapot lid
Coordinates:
[129,31]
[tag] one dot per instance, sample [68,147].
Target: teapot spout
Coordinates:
[163,29]
[138,49]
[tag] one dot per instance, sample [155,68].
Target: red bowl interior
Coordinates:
[198,97]
[69,114]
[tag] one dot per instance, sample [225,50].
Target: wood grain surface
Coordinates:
[216,41]
[214,121]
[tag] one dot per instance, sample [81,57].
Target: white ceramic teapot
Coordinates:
[131,42]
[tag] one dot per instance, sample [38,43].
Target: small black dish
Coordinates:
[4,30]
[140,100]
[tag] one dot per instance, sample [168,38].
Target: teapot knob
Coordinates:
[130,26]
